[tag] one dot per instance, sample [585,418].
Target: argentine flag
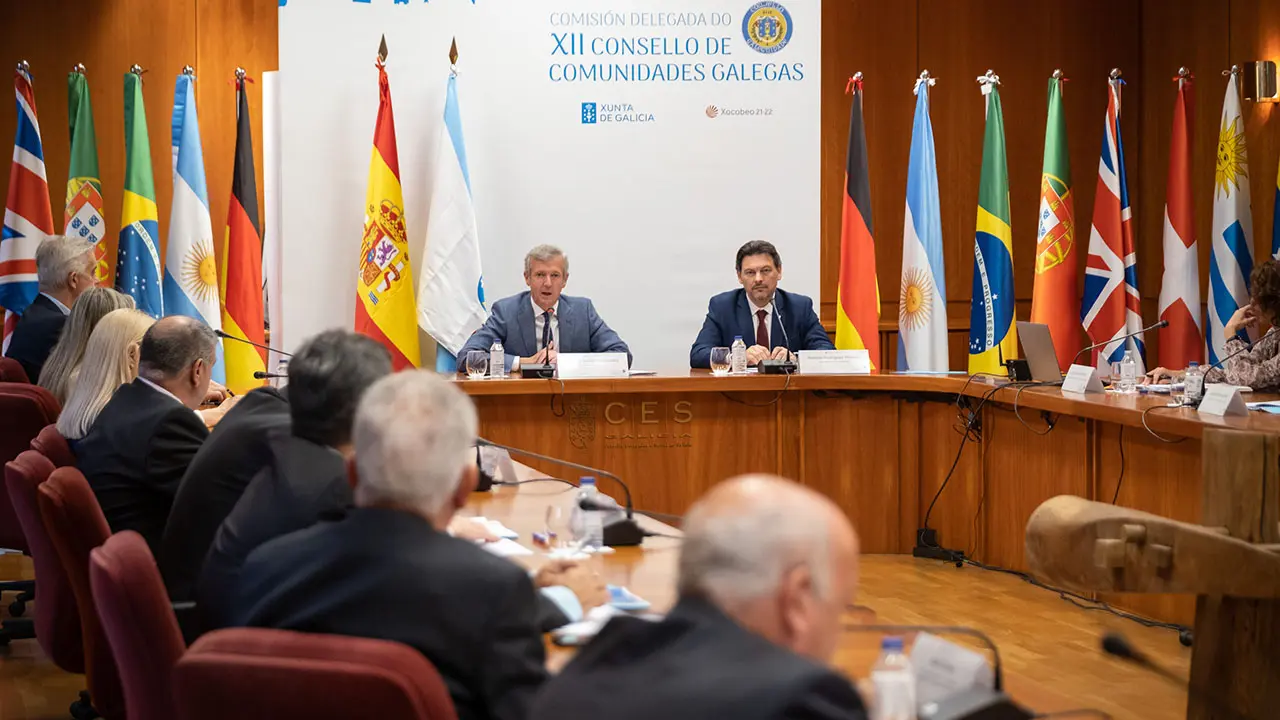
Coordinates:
[451,291]
[190,268]
[922,303]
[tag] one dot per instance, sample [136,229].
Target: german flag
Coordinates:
[385,307]
[858,296]
[242,314]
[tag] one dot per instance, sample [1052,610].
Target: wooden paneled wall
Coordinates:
[890,42]
[213,36]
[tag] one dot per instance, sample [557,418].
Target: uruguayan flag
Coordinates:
[922,302]
[451,292]
[1232,259]
[190,268]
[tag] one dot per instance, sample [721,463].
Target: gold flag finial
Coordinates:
[453,52]
[382,49]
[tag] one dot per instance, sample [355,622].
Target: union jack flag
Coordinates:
[28,219]
[1112,307]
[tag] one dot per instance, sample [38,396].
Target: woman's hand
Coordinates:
[1244,318]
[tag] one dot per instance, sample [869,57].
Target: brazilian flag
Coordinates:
[138,259]
[992,335]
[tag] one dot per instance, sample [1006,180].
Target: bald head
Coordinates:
[178,353]
[776,556]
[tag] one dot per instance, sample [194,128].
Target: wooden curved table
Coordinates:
[880,445]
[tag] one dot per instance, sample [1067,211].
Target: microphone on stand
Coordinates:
[1248,345]
[779,367]
[228,336]
[1117,645]
[1157,326]
[620,533]
[263,375]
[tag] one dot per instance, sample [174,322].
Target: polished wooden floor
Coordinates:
[1050,648]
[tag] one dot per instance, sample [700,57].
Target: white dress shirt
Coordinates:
[58,303]
[755,322]
[538,322]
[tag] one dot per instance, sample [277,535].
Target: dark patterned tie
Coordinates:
[546,329]
[762,330]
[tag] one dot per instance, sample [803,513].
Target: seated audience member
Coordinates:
[389,570]
[64,267]
[766,570]
[110,361]
[139,446]
[237,449]
[537,324]
[60,370]
[1257,367]
[771,321]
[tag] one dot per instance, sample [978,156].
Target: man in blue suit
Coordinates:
[536,325]
[772,322]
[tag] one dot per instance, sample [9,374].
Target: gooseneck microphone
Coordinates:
[620,533]
[1117,645]
[229,336]
[1108,341]
[1248,345]
[778,367]
[263,375]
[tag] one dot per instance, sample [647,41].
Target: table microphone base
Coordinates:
[537,371]
[776,367]
[623,533]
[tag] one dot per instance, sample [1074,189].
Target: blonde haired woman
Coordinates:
[110,360]
[63,363]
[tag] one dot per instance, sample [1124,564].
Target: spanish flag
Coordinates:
[858,295]
[242,315]
[385,307]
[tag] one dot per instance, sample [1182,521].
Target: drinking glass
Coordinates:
[719,361]
[1115,376]
[477,364]
[557,527]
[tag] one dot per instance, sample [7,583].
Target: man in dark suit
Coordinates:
[138,449]
[64,266]
[237,448]
[301,469]
[772,322]
[389,570]
[536,325]
[766,570]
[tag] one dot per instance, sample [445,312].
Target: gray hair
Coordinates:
[413,435]
[173,344]
[60,255]
[743,552]
[545,253]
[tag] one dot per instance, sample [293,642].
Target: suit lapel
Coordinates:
[525,319]
[744,320]
[568,337]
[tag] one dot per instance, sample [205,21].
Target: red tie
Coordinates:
[762,330]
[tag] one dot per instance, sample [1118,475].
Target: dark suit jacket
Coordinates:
[35,335]
[235,451]
[729,314]
[300,482]
[134,457]
[696,663]
[582,330]
[388,574]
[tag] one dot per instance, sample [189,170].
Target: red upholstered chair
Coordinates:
[139,622]
[11,371]
[52,445]
[76,525]
[57,624]
[257,674]
[24,410]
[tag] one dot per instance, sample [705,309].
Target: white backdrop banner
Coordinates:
[647,138]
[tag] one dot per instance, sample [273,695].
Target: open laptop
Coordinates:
[1037,348]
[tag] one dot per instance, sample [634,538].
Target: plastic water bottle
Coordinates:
[497,360]
[895,682]
[737,356]
[1128,374]
[587,526]
[1194,384]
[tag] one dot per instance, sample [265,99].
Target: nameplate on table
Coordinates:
[1082,379]
[834,362]
[576,366]
[1221,400]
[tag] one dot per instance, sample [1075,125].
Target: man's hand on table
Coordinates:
[584,583]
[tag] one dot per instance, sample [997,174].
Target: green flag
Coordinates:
[84,187]
[138,257]
[992,336]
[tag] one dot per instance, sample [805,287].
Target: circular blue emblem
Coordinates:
[767,27]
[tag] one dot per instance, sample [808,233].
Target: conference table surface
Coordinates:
[1049,647]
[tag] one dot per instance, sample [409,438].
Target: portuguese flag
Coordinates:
[83,216]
